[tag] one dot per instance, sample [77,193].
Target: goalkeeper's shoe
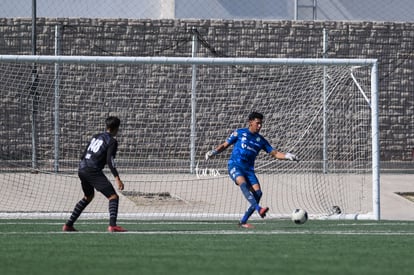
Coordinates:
[263,211]
[246,225]
[68,228]
[116,228]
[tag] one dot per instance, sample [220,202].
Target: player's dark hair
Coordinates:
[112,122]
[254,115]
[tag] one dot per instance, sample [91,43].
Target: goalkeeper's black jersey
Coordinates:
[101,150]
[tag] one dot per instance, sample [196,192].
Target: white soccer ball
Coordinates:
[299,216]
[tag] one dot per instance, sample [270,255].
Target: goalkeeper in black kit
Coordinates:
[101,150]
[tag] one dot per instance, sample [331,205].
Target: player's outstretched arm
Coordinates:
[216,151]
[284,156]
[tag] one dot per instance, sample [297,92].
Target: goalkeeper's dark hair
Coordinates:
[112,122]
[254,115]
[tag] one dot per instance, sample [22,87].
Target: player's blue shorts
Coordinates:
[236,171]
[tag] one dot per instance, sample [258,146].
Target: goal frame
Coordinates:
[194,61]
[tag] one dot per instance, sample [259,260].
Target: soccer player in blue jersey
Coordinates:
[247,145]
[100,151]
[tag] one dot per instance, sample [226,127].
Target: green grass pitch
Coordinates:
[205,247]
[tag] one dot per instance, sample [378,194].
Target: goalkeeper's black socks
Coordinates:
[79,207]
[113,211]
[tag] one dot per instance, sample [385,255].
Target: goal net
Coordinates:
[172,111]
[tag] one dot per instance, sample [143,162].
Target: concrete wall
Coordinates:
[390,43]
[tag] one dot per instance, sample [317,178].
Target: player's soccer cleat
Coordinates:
[67,228]
[263,211]
[116,228]
[246,225]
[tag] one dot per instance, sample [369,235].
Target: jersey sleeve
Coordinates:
[233,137]
[267,147]
[84,152]
[110,158]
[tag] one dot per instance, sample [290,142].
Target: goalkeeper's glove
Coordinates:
[292,157]
[211,153]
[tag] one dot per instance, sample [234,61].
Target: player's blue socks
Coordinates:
[257,194]
[249,196]
[247,214]
[113,211]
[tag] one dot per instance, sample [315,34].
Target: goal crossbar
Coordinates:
[186,60]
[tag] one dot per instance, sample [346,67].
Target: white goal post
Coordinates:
[174,109]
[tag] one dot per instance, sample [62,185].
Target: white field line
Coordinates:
[300,230]
[223,232]
[88,222]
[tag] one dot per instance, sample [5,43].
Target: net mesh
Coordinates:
[50,112]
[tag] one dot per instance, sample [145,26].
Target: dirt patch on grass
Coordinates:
[147,198]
